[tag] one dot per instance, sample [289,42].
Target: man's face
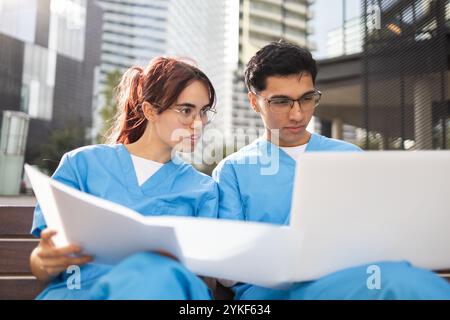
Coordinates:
[291,125]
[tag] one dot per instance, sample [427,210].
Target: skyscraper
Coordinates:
[135,31]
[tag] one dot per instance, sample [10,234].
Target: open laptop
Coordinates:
[363,208]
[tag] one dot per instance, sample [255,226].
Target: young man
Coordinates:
[255,183]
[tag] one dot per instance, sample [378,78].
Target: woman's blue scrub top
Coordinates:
[107,171]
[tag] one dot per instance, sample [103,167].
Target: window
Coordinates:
[39,69]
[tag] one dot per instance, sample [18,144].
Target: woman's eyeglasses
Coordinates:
[187,114]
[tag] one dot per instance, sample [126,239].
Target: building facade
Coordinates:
[394,86]
[49,49]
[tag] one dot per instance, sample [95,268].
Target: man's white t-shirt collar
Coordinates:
[295,152]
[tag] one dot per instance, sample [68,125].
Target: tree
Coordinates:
[109,108]
[60,142]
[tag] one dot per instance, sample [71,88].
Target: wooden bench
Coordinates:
[16,244]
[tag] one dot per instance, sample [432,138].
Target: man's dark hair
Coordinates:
[278,59]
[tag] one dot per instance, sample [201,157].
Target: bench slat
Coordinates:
[16,221]
[15,256]
[20,289]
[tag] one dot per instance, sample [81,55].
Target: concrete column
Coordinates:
[384,143]
[337,128]
[423,116]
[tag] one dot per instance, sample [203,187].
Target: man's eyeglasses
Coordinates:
[307,102]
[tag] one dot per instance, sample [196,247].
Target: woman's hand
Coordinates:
[47,261]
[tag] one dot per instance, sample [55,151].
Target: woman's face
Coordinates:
[181,125]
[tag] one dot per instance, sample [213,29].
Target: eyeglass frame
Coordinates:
[268,101]
[191,106]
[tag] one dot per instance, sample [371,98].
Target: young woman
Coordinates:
[161,109]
